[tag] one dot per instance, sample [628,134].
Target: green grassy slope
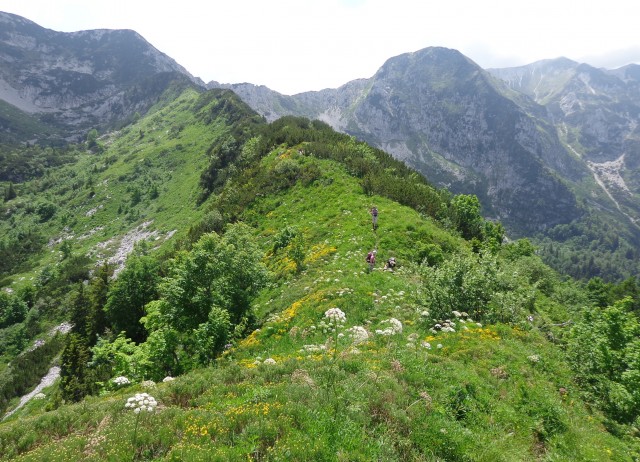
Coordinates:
[295,389]
[139,186]
[144,181]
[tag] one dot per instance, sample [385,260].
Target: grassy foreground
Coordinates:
[378,384]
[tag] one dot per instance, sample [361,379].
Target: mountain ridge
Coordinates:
[536,164]
[563,166]
[368,109]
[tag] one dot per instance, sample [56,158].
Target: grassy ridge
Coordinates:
[491,392]
[146,173]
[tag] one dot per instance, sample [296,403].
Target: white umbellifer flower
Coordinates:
[395,327]
[148,384]
[168,378]
[40,396]
[426,345]
[457,314]
[312,348]
[141,402]
[122,380]
[358,334]
[534,358]
[269,361]
[335,315]
[439,345]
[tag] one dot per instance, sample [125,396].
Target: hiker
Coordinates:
[374,217]
[390,264]
[371,259]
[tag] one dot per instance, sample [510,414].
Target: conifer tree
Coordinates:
[9,193]
[97,297]
[73,371]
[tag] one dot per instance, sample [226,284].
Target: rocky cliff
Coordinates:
[597,114]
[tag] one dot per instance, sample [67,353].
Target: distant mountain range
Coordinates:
[550,146]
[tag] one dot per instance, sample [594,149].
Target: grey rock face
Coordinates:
[596,113]
[533,142]
[80,80]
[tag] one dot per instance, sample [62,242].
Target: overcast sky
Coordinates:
[298,45]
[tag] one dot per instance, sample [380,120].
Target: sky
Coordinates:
[293,46]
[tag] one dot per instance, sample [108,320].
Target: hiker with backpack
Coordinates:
[374,217]
[390,264]
[371,259]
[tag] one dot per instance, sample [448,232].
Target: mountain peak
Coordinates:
[110,74]
[555,63]
[628,73]
[432,56]
[10,18]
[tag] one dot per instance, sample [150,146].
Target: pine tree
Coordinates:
[73,372]
[97,297]
[9,193]
[79,308]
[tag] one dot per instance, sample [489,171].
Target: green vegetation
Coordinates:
[257,329]
[17,125]
[595,246]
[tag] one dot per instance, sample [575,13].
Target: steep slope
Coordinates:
[540,80]
[138,192]
[457,129]
[80,80]
[346,364]
[142,183]
[596,113]
[599,107]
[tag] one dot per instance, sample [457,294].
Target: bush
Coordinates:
[487,289]
[12,309]
[604,351]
